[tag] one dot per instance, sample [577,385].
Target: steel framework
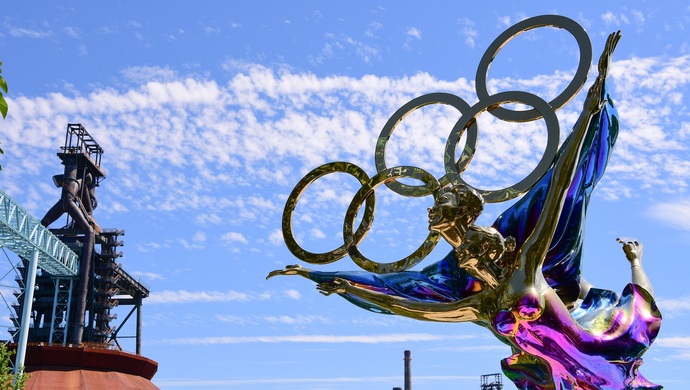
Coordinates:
[23,234]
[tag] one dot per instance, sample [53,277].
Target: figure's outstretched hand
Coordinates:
[594,101]
[605,59]
[337,286]
[295,269]
[633,250]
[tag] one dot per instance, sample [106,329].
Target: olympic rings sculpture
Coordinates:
[352,236]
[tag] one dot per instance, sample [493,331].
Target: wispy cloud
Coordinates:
[468,31]
[611,18]
[321,339]
[147,275]
[414,32]
[183,296]
[268,127]
[233,237]
[680,347]
[293,294]
[22,32]
[674,213]
[295,320]
[675,306]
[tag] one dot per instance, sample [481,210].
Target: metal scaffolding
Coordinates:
[492,382]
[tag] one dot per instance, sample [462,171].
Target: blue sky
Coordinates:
[209,113]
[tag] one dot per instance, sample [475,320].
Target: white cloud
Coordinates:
[72,32]
[609,18]
[616,20]
[199,236]
[211,30]
[147,275]
[295,320]
[276,237]
[149,247]
[293,294]
[674,306]
[235,320]
[203,138]
[414,33]
[208,219]
[194,245]
[182,296]
[504,21]
[638,16]
[679,345]
[673,213]
[21,32]
[372,28]
[468,30]
[143,74]
[232,237]
[321,339]
[317,233]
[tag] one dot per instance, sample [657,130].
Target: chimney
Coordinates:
[408,371]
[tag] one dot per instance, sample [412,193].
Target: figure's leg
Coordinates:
[53,214]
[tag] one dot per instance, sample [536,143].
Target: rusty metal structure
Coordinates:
[68,305]
[105,284]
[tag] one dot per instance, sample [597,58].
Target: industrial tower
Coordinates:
[73,297]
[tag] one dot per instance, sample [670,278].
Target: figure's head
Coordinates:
[455,207]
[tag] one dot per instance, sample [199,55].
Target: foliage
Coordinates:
[8,381]
[3,103]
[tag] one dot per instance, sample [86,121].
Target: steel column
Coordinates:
[26,311]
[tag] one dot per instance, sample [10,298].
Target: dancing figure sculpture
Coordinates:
[520,278]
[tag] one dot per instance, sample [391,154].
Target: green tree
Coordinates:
[3,103]
[8,380]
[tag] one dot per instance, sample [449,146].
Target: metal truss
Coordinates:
[23,234]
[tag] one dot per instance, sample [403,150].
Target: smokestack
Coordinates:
[408,371]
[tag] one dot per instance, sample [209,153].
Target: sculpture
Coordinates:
[519,278]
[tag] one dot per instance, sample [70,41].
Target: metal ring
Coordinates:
[367,190]
[432,98]
[367,219]
[568,93]
[489,103]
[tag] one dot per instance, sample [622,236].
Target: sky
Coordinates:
[210,112]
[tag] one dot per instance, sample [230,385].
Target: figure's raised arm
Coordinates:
[633,252]
[533,252]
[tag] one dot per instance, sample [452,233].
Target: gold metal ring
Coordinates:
[367,191]
[367,219]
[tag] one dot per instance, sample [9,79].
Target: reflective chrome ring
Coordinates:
[568,93]
[397,117]
[490,103]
